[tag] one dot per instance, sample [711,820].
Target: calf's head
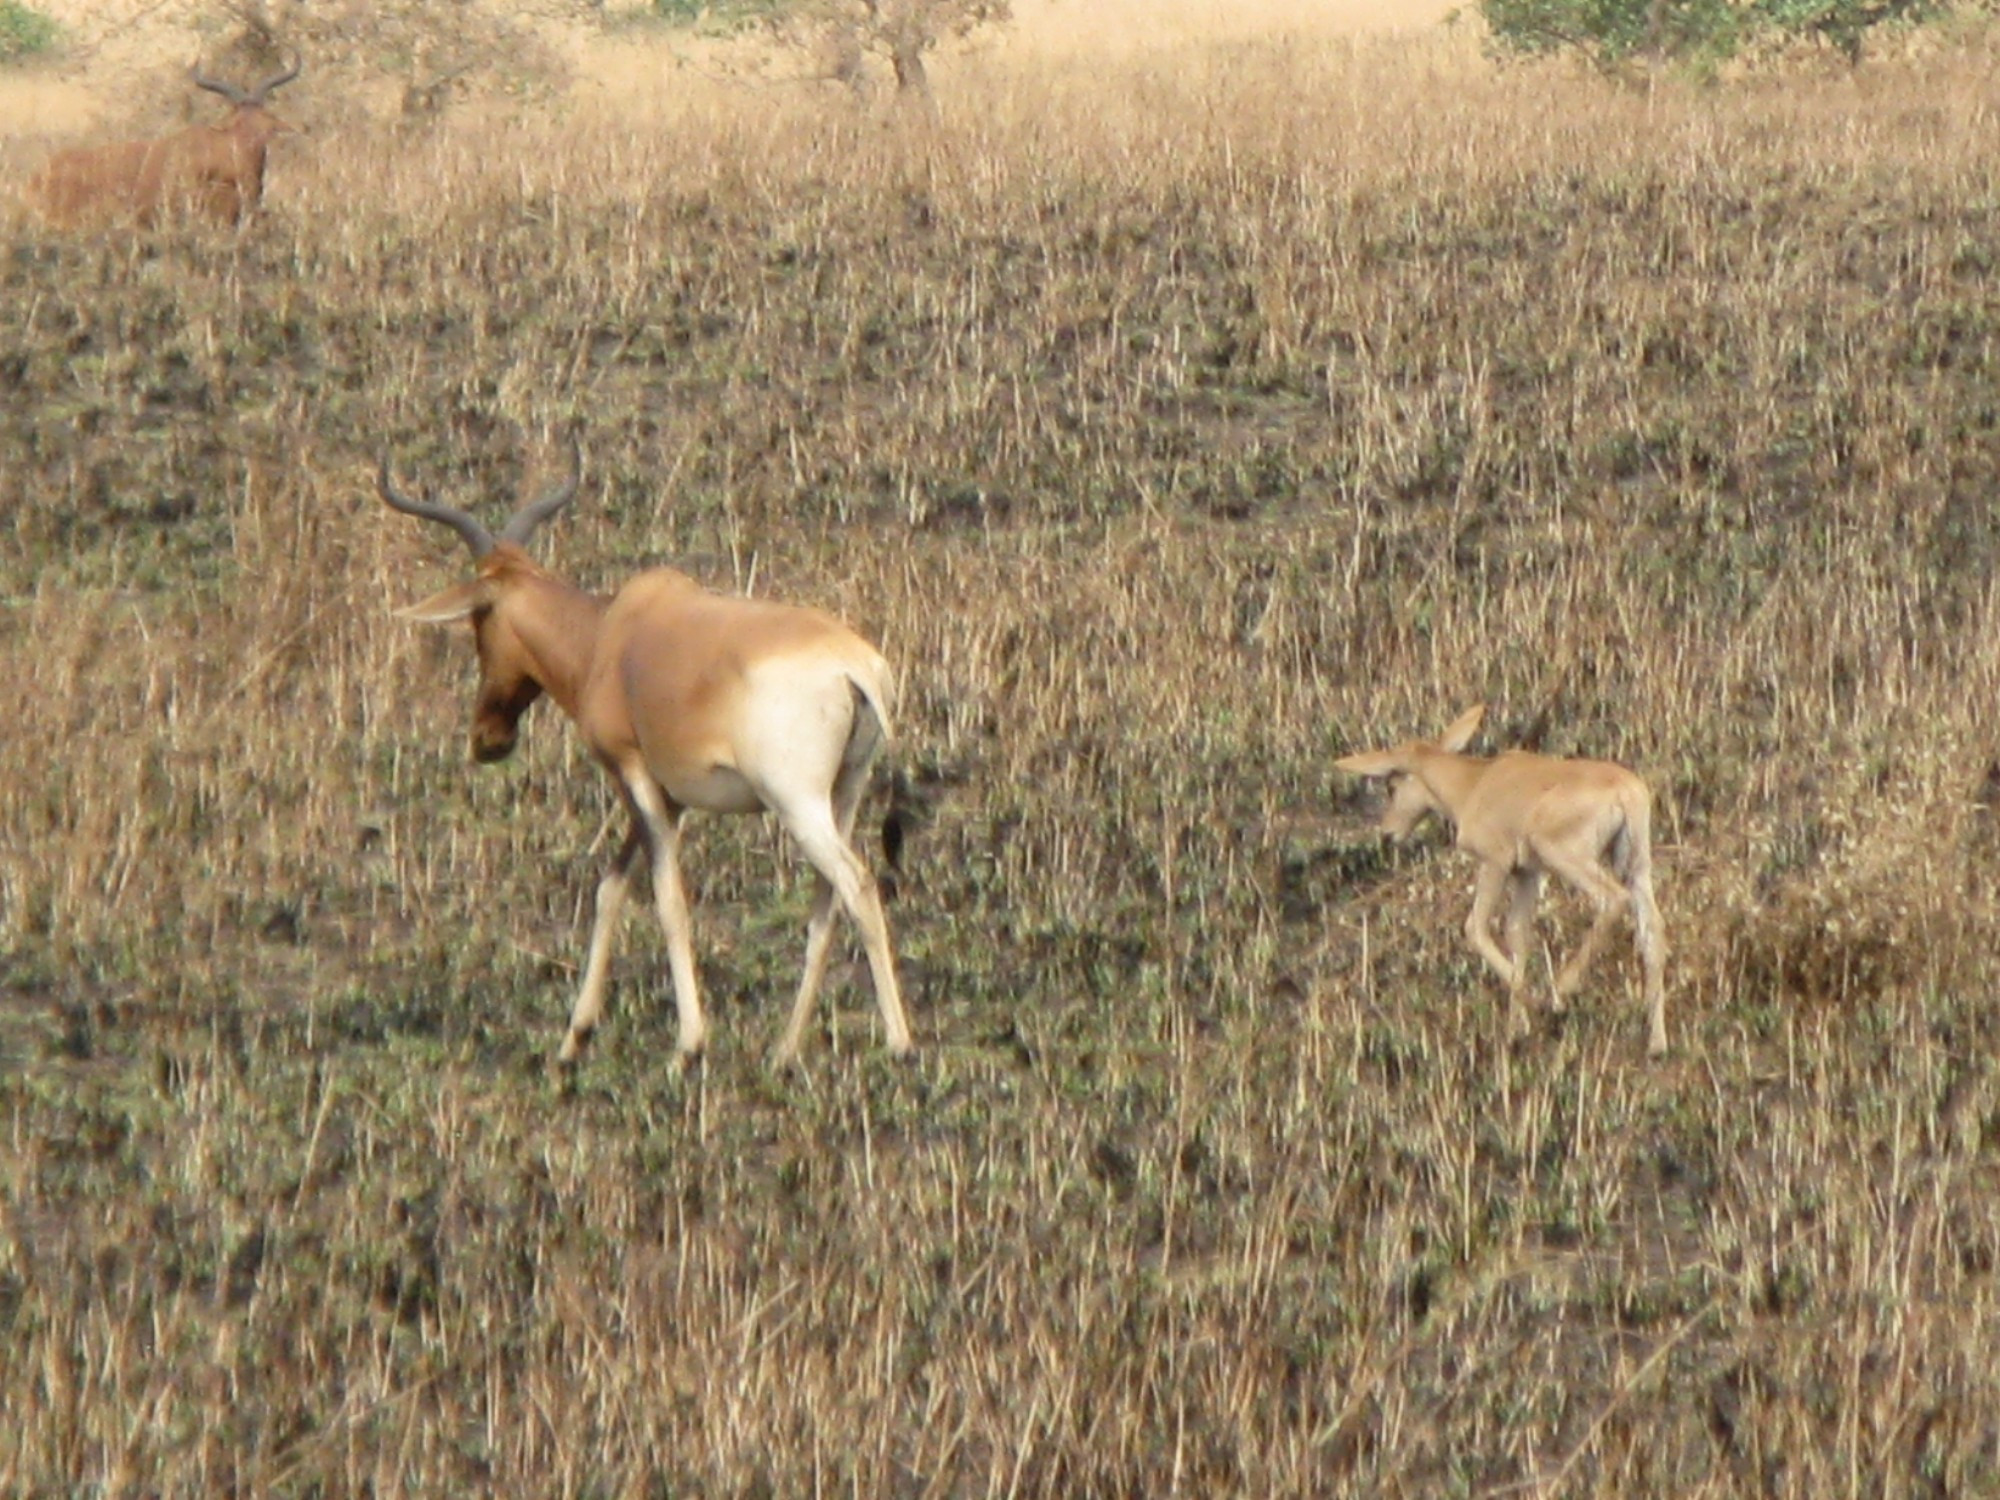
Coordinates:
[1409,799]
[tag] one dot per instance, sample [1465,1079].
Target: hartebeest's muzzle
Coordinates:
[491,742]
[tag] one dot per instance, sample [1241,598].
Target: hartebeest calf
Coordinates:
[1521,815]
[691,700]
[216,171]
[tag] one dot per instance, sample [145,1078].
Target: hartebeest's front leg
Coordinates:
[662,824]
[611,892]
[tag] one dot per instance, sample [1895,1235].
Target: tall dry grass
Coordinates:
[1176,429]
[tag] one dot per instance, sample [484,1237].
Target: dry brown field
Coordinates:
[1178,418]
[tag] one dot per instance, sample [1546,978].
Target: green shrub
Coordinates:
[1610,32]
[715,15]
[25,32]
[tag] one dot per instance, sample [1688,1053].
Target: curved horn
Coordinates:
[528,517]
[263,90]
[477,537]
[228,91]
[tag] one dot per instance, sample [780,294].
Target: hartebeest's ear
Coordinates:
[455,603]
[1370,763]
[1463,728]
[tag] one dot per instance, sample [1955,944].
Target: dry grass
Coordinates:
[1176,430]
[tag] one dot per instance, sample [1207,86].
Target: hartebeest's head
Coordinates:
[511,670]
[1410,798]
[252,121]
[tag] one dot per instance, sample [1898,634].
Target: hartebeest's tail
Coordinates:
[872,732]
[871,745]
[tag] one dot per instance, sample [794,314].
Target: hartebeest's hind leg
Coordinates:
[823,824]
[819,926]
[1487,891]
[1631,888]
[1524,890]
[611,892]
[1652,959]
[1652,939]
[1610,898]
[820,837]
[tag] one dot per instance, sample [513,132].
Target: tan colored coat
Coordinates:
[692,700]
[1522,816]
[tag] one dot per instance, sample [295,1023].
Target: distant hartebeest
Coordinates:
[689,699]
[214,171]
[1588,821]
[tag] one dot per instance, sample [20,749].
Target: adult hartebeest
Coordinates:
[1520,815]
[691,700]
[216,171]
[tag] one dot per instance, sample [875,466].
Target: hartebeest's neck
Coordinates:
[1450,775]
[253,125]
[556,625]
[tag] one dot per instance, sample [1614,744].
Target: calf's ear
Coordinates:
[1463,728]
